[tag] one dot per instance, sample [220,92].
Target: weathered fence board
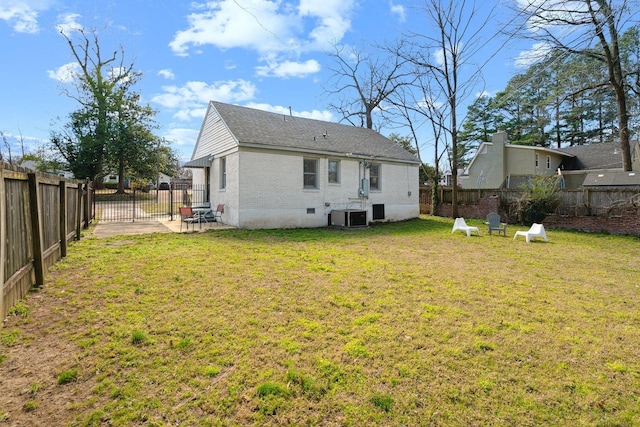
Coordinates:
[39,214]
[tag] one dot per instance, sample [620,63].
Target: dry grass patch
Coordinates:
[403,324]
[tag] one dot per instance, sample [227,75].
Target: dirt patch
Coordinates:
[35,352]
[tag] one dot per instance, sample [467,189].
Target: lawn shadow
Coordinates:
[427,225]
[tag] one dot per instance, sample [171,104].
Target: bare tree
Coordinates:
[98,84]
[413,109]
[442,54]
[5,140]
[589,28]
[362,82]
[112,131]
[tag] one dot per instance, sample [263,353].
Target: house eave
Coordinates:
[201,162]
[542,149]
[327,153]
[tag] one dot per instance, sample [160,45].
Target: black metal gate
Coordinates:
[147,205]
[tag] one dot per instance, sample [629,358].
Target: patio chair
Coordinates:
[217,215]
[536,230]
[461,225]
[493,221]
[186,216]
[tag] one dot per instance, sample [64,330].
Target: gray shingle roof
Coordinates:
[257,127]
[615,179]
[595,156]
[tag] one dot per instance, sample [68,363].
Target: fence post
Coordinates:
[170,202]
[63,218]
[34,203]
[86,204]
[3,241]
[79,204]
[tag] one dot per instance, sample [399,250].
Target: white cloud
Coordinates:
[183,141]
[66,73]
[333,18]
[68,23]
[259,25]
[557,17]
[186,114]
[23,14]
[182,136]
[529,57]
[486,94]
[289,69]
[265,26]
[190,100]
[399,10]
[167,74]
[324,115]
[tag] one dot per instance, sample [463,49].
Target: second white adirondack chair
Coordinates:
[536,230]
[461,225]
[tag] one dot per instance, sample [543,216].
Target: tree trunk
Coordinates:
[120,177]
[623,125]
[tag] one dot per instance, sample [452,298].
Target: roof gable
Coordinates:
[253,127]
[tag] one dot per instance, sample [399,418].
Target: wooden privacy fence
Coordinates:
[586,201]
[39,215]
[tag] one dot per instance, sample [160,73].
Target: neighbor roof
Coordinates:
[261,128]
[594,156]
[618,178]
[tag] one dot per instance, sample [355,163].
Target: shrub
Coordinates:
[540,197]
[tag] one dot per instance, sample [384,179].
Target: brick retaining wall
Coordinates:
[625,221]
[475,210]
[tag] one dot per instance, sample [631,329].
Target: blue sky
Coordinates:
[268,54]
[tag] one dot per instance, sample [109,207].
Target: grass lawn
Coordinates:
[401,324]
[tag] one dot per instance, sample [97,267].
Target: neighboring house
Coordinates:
[30,164]
[162,177]
[113,179]
[279,171]
[600,165]
[498,164]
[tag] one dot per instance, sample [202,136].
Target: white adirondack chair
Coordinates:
[461,225]
[536,231]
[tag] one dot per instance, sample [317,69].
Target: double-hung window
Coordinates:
[223,173]
[334,171]
[374,177]
[310,173]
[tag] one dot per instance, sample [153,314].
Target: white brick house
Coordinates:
[281,171]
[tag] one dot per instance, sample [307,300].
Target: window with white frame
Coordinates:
[310,173]
[223,173]
[374,177]
[334,172]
